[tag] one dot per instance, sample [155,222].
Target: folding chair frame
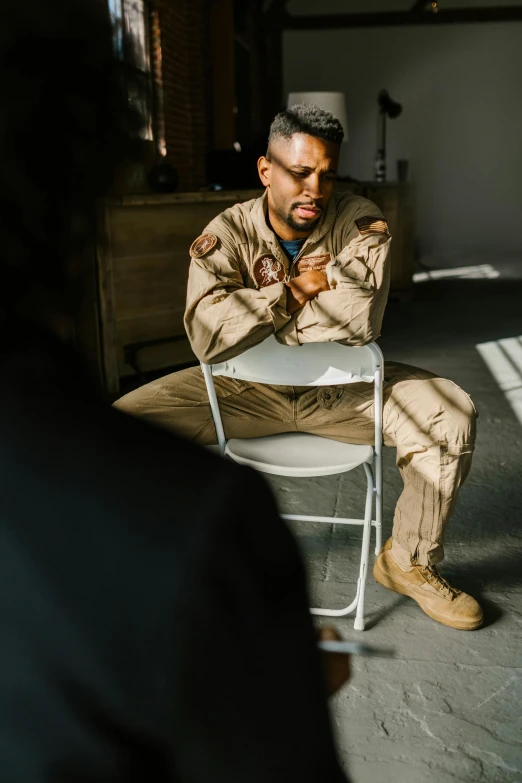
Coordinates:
[374,488]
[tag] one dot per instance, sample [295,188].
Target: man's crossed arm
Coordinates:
[343,304]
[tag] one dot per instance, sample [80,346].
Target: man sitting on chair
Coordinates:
[309,265]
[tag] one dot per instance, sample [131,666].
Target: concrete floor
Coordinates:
[447,708]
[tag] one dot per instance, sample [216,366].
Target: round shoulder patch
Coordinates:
[203,245]
[268,270]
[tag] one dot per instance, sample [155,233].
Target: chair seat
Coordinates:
[298,454]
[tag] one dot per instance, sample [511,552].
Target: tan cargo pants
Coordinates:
[429,420]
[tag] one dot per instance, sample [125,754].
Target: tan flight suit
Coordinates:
[236,298]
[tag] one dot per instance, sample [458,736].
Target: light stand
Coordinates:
[391,109]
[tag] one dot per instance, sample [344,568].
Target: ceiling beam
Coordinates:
[276,6]
[507,13]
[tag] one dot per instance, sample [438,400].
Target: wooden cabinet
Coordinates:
[133,319]
[394,201]
[142,268]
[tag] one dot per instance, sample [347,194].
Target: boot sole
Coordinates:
[386,581]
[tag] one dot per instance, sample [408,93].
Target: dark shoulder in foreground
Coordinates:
[124,551]
[60,435]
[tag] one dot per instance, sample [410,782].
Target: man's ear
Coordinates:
[263,168]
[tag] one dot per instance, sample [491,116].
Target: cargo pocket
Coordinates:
[455,464]
[226,387]
[351,401]
[327,396]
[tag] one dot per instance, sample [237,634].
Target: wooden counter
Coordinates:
[395,202]
[143,261]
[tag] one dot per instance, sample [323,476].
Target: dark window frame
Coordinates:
[135,57]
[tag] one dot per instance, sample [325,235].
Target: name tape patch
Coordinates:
[313,263]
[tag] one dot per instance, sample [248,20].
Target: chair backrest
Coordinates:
[311,364]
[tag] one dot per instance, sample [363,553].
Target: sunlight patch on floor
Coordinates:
[463,272]
[504,360]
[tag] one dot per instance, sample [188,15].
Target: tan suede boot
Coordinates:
[424,584]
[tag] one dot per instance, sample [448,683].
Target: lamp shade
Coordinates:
[334,102]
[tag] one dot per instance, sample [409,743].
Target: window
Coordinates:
[131,40]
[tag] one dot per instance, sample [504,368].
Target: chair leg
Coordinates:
[378,503]
[365,551]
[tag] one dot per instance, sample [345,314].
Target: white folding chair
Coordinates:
[302,454]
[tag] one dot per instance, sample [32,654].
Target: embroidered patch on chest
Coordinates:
[268,270]
[203,245]
[313,263]
[372,225]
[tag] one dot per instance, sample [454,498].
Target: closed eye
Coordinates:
[305,174]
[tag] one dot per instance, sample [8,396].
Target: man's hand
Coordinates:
[304,287]
[336,665]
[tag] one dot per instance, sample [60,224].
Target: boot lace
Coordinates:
[433,576]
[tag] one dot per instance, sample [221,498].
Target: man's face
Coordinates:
[299,174]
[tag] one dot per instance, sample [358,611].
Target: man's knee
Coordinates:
[437,412]
[178,402]
[459,420]
[133,403]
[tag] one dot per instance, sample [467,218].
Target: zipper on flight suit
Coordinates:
[292,268]
[294,406]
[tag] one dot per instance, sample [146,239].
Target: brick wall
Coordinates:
[184,74]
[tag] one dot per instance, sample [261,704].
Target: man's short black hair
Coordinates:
[309,119]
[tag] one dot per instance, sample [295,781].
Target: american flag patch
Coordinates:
[372,225]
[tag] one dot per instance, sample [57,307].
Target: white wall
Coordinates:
[461,127]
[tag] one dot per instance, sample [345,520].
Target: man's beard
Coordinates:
[301,225]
